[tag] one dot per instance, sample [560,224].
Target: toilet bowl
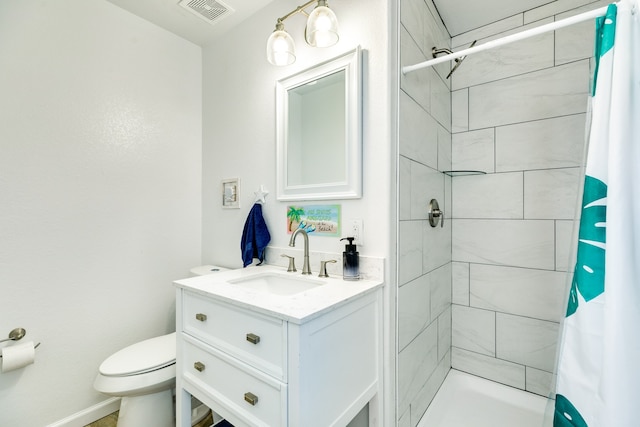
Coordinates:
[144,375]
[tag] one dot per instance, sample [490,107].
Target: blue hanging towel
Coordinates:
[255,236]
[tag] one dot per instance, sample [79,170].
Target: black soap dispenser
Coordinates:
[350,261]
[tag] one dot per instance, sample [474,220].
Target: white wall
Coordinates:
[239,127]
[239,140]
[100,140]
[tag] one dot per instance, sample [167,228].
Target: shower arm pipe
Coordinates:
[596,13]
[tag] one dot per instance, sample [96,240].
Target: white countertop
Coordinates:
[297,308]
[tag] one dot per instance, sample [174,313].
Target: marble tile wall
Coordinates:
[518,114]
[424,253]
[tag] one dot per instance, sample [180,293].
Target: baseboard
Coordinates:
[89,415]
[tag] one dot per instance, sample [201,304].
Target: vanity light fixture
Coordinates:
[321,31]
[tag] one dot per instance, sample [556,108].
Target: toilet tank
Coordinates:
[205,269]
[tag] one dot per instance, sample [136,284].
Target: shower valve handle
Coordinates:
[435,214]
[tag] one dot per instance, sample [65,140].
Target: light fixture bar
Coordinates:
[299,9]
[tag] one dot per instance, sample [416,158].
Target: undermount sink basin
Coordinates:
[277,284]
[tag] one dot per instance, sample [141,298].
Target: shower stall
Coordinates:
[485,292]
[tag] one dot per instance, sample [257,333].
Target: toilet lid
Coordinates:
[145,356]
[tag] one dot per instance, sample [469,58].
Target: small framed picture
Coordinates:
[231,193]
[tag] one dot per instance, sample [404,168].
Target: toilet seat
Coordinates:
[145,367]
[140,358]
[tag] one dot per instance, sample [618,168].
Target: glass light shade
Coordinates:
[322,27]
[281,48]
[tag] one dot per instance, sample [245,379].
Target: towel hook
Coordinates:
[261,195]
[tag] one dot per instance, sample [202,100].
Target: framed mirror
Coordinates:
[319,131]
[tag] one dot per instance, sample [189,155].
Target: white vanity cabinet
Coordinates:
[258,365]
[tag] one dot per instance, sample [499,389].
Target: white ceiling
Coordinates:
[459,16]
[170,16]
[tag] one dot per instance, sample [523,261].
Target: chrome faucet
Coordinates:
[306,269]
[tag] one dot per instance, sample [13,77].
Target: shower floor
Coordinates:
[466,400]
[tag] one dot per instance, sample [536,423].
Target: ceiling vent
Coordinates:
[211,11]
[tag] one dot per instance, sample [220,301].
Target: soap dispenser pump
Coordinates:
[350,261]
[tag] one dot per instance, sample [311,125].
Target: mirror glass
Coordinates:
[319,131]
[310,107]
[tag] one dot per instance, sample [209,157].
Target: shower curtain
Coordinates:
[598,383]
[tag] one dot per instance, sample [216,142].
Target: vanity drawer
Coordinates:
[258,340]
[255,398]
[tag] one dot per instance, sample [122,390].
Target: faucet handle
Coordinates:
[292,263]
[323,268]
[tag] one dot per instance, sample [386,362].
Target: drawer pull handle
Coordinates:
[199,366]
[253,338]
[201,317]
[251,398]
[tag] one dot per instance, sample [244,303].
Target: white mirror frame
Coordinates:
[351,187]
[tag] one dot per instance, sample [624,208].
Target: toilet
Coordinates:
[144,375]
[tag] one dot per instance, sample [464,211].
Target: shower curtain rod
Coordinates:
[596,13]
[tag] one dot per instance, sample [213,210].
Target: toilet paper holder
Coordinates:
[15,335]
